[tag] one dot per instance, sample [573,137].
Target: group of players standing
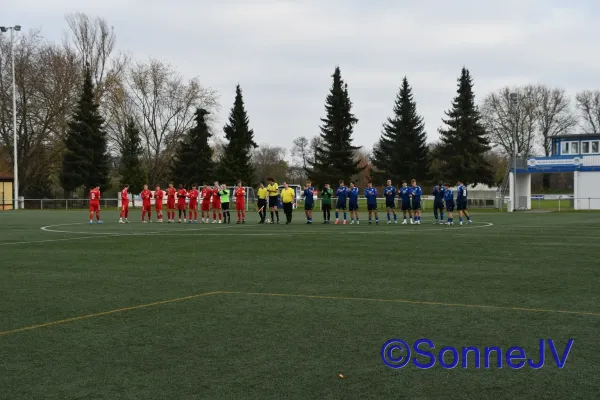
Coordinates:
[216,199]
[409,200]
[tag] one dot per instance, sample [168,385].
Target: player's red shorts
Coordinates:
[146,206]
[181,205]
[158,205]
[240,206]
[216,205]
[170,204]
[205,206]
[124,205]
[193,205]
[94,207]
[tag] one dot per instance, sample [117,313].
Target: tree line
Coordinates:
[89,115]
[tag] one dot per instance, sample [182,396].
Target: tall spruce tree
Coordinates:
[130,167]
[402,153]
[463,142]
[336,158]
[236,160]
[193,163]
[86,161]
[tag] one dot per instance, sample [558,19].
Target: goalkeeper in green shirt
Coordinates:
[326,196]
[224,195]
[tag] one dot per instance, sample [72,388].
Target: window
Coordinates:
[555,152]
[574,147]
[585,147]
[564,148]
[595,147]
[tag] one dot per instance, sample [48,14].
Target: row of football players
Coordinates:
[185,202]
[409,200]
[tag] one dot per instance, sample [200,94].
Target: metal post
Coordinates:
[514,102]
[14,87]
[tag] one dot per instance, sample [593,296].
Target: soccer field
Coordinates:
[161,311]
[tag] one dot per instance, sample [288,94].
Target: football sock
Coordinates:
[337,215]
[395,217]
[435,214]
[442,216]
[277,215]
[388,215]
[344,215]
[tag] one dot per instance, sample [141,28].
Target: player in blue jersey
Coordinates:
[405,193]
[438,203]
[389,192]
[309,201]
[461,202]
[415,195]
[353,202]
[341,193]
[371,195]
[449,200]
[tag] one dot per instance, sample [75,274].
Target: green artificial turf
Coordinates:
[291,307]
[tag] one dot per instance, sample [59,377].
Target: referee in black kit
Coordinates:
[288,195]
[262,202]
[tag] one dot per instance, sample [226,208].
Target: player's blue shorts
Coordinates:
[308,206]
[340,205]
[353,206]
[449,206]
[438,205]
[406,206]
[461,205]
[390,203]
[372,207]
[416,204]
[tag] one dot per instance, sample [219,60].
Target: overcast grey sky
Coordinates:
[283,52]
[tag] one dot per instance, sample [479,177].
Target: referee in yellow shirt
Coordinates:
[273,190]
[288,195]
[262,202]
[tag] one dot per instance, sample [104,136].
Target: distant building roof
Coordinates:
[578,136]
[6,177]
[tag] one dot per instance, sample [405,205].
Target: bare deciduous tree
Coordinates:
[501,119]
[588,103]
[48,81]
[163,104]
[301,151]
[554,115]
[269,161]
[94,41]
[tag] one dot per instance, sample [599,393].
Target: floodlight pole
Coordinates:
[514,101]
[14,29]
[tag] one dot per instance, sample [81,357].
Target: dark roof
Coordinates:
[6,177]
[579,136]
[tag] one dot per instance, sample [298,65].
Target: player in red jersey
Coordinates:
[171,194]
[193,206]
[206,197]
[181,196]
[158,203]
[95,205]
[124,205]
[216,203]
[146,196]
[240,203]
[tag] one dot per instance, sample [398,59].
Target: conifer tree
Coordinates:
[236,160]
[131,169]
[463,142]
[402,153]
[336,158]
[193,163]
[86,160]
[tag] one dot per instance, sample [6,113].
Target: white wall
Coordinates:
[523,184]
[587,185]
